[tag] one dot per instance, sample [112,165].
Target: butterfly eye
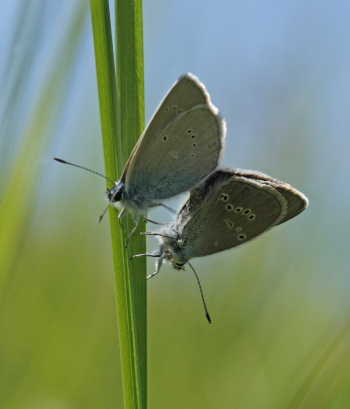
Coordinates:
[251,217]
[241,237]
[229,207]
[238,209]
[118,195]
[247,211]
[115,194]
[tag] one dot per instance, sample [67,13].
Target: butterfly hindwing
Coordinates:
[296,201]
[231,211]
[181,145]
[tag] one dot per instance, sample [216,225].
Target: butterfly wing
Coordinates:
[228,211]
[296,201]
[181,145]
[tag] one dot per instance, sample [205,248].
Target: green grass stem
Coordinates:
[121,99]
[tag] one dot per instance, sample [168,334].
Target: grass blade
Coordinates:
[122,111]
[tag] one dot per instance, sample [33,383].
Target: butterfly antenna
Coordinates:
[82,167]
[200,288]
[100,217]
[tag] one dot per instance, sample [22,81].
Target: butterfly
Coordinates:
[227,209]
[181,145]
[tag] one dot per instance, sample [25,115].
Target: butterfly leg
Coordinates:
[151,221]
[158,266]
[149,233]
[154,233]
[145,254]
[136,220]
[123,212]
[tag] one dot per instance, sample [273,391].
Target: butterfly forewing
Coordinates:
[186,131]
[232,214]
[296,201]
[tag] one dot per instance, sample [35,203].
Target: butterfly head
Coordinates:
[115,194]
[172,249]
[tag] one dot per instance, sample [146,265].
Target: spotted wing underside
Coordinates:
[181,145]
[227,211]
[296,201]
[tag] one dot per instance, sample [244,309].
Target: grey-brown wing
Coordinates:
[236,210]
[181,145]
[296,201]
[187,92]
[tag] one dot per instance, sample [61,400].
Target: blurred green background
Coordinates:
[280,74]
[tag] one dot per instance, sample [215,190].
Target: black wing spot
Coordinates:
[224,197]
